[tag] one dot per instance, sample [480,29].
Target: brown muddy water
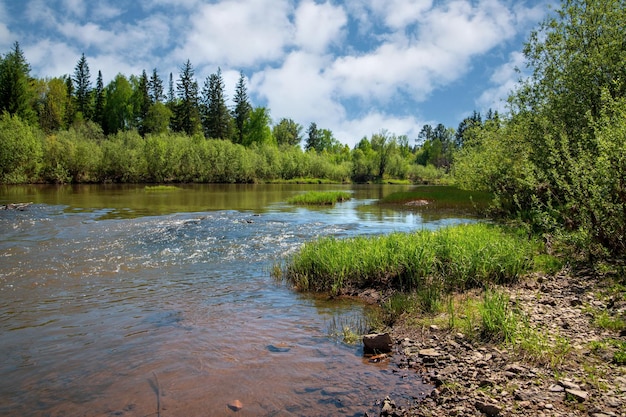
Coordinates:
[119,302]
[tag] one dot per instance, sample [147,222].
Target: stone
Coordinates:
[490,410]
[569,384]
[235,405]
[432,353]
[579,395]
[377,342]
[556,388]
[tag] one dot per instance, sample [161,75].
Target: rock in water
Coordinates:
[377,342]
[235,405]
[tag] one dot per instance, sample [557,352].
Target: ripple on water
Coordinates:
[94,311]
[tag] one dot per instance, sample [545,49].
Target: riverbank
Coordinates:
[571,361]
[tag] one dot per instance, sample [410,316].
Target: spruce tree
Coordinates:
[98,115]
[242,109]
[16,91]
[82,79]
[187,115]
[216,118]
[156,87]
[142,102]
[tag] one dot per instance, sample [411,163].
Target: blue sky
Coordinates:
[355,67]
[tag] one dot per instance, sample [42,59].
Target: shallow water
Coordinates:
[118,302]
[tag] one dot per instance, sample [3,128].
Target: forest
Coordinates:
[137,129]
[556,162]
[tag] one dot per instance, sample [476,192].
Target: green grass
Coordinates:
[320,198]
[303,181]
[160,188]
[499,321]
[456,258]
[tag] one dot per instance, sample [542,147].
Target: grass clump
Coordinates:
[499,320]
[453,258]
[160,188]
[320,198]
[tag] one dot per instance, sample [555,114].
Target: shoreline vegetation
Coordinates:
[320,198]
[496,323]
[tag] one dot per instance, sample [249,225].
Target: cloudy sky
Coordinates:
[354,67]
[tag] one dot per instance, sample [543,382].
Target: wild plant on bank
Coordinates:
[455,258]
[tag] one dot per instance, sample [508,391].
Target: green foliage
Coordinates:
[216,118]
[186,110]
[558,162]
[461,257]
[257,128]
[287,132]
[320,198]
[160,188]
[499,320]
[82,82]
[16,91]
[20,150]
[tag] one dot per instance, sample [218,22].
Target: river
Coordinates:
[115,301]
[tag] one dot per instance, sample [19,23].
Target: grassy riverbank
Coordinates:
[453,258]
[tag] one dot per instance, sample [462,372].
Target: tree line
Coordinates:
[62,118]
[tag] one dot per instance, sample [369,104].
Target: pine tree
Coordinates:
[16,90]
[314,138]
[98,115]
[142,102]
[216,118]
[242,109]
[171,96]
[187,115]
[156,87]
[70,111]
[82,78]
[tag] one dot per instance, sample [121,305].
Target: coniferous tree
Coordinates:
[216,118]
[462,134]
[70,111]
[187,114]
[156,87]
[82,78]
[98,115]
[242,109]
[143,102]
[16,90]
[171,96]
[314,138]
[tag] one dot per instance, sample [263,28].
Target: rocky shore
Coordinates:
[579,377]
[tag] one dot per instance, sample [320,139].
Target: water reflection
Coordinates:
[98,301]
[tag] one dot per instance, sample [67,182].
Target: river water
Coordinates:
[115,301]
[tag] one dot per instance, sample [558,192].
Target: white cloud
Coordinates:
[353,130]
[318,25]
[238,33]
[299,89]
[87,35]
[75,7]
[105,11]
[504,79]
[39,11]
[50,58]
[398,14]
